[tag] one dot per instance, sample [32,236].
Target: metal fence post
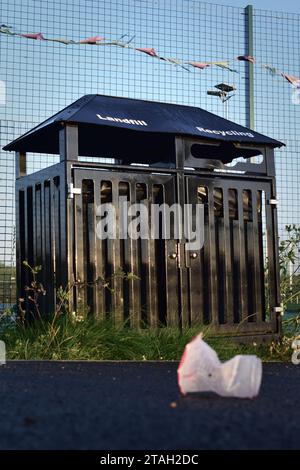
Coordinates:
[249,67]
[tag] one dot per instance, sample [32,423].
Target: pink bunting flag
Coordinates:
[92,40]
[36,36]
[295,81]
[147,50]
[246,58]
[199,65]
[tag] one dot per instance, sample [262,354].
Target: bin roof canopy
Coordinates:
[136,130]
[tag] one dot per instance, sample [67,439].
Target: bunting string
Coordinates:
[125,42]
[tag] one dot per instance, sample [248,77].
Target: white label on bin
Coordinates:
[134,122]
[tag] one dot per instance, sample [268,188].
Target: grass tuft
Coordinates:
[64,339]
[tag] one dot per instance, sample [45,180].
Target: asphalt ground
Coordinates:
[137,405]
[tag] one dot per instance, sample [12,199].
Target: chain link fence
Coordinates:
[38,78]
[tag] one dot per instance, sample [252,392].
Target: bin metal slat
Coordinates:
[258,301]
[80,254]
[114,259]
[57,229]
[228,304]
[48,248]
[171,265]
[195,271]
[27,223]
[271,213]
[100,305]
[132,259]
[150,264]
[211,243]
[242,278]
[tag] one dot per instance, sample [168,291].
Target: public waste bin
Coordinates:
[165,156]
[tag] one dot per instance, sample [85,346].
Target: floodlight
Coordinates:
[225,87]
[215,93]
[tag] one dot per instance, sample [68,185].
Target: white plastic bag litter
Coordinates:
[201,371]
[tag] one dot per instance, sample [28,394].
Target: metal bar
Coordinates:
[213,279]
[171,263]
[89,245]
[277,319]
[20,219]
[38,239]
[68,142]
[30,233]
[150,264]
[49,280]
[249,66]
[56,231]
[53,243]
[58,254]
[183,275]
[132,260]
[100,306]
[80,253]
[43,274]
[257,262]
[36,260]
[270,164]
[272,241]
[228,304]
[34,221]
[20,164]
[48,285]
[180,155]
[24,272]
[262,254]
[273,264]
[243,287]
[194,261]
[117,306]
[253,170]
[65,232]
[220,253]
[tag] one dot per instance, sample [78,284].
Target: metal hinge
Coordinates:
[273,202]
[73,191]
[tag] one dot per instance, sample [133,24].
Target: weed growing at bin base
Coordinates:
[65,339]
[66,335]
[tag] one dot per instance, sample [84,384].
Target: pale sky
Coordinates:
[291,6]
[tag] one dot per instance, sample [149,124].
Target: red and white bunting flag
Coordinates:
[200,65]
[36,36]
[295,81]
[147,50]
[92,40]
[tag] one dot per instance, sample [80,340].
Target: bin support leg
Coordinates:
[68,142]
[21,169]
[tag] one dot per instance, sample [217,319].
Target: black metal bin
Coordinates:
[163,154]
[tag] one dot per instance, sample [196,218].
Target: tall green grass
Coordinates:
[64,339]
[78,336]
